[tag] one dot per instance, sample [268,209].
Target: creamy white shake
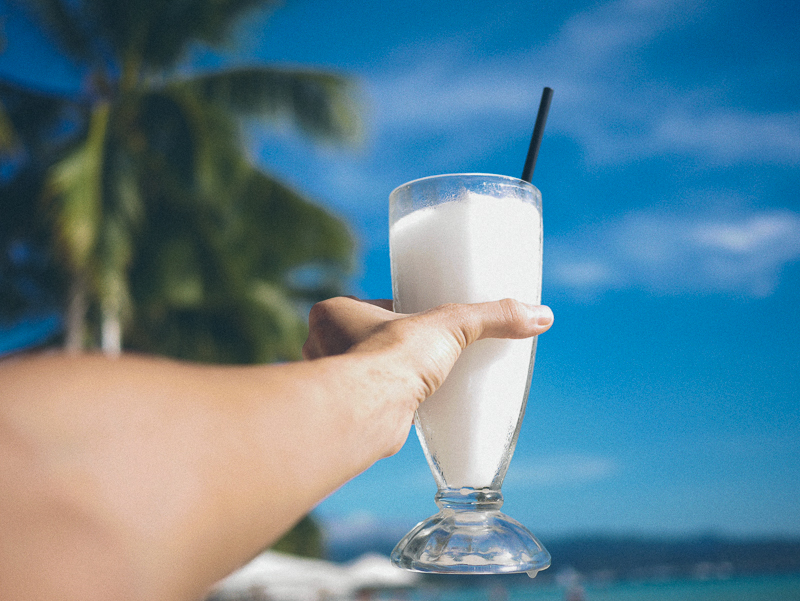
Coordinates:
[473,249]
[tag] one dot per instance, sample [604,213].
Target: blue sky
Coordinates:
[666,398]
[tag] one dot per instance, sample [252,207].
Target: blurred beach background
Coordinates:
[246,172]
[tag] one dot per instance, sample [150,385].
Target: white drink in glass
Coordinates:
[474,249]
[469,238]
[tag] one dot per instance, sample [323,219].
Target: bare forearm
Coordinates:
[182,471]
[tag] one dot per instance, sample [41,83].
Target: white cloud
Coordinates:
[668,253]
[583,273]
[606,97]
[755,234]
[560,470]
[607,31]
[729,136]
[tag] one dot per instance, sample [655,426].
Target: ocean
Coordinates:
[752,588]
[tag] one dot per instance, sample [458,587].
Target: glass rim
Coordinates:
[496,176]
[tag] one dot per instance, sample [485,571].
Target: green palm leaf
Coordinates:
[158,32]
[288,231]
[200,141]
[75,192]
[319,103]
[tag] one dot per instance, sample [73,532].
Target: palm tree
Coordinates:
[164,234]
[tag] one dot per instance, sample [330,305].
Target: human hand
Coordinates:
[427,343]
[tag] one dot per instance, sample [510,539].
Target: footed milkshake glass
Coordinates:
[470,238]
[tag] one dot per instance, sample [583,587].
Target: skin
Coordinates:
[145,478]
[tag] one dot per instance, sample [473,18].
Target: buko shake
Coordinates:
[474,248]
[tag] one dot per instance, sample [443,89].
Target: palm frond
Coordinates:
[159,32]
[166,134]
[176,24]
[289,231]
[74,191]
[212,148]
[320,103]
[278,311]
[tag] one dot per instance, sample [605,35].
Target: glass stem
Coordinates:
[469,499]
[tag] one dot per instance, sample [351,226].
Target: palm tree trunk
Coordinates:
[76,315]
[111,333]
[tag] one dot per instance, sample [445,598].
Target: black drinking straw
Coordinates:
[536,138]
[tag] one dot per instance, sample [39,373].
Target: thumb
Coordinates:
[507,318]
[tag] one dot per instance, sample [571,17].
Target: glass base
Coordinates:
[470,535]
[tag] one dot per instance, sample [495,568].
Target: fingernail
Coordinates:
[541,314]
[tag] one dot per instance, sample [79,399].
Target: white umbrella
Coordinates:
[281,577]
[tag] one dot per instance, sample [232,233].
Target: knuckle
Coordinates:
[317,312]
[511,310]
[323,311]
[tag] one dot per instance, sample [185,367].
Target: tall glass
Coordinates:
[469,238]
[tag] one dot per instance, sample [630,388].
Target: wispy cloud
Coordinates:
[560,470]
[608,98]
[666,253]
[730,136]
